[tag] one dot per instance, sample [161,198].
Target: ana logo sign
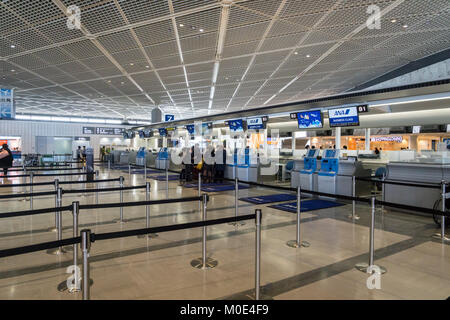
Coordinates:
[342,112]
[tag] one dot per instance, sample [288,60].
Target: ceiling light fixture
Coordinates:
[308,56]
[13,46]
[394,20]
[201,30]
[181,25]
[405,26]
[295,52]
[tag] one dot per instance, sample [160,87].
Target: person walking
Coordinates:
[6,159]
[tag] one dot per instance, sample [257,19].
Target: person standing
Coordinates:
[6,159]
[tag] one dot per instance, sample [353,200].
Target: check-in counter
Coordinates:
[348,169]
[415,172]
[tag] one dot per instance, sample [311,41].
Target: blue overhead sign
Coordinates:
[255,124]
[6,104]
[344,117]
[170,117]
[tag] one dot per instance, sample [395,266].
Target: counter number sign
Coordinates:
[363,108]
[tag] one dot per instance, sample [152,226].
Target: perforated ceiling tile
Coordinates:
[162,50]
[199,56]
[246,33]
[240,16]
[120,41]
[240,49]
[138,10]
[198,23]
[198,42]
[155,33]
[25,40]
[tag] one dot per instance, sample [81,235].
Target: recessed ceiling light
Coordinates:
[13,46]
[181,25]
[405,26]
[295,52]
[131,64]
[147,67]
[394,20]
[193,27]
[201,30]
[13,70]
[308,56]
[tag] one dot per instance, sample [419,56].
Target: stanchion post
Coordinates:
[121,198]
[199,190]
[442,236]
[167,178]
[109,164]
[145,171]
[383,191]
[297,243]
[31,190]
[129,170]
[75,214]
[204,262]
[59,250]
[236,199]
[147,213]
[258,254]
[57,204]
[370,267]
[354,216]
[97,174]
[85,249]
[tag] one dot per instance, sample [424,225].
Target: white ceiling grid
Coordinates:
[198,57]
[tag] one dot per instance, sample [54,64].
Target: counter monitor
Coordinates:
[310,119]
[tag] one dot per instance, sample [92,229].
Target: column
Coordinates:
[338,138]
[367,131]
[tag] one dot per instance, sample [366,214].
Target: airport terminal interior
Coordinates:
[224,150]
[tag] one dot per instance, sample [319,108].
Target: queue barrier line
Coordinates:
[43,169]
[25,195]
[103,189]
[49,175]
[393,182]
[138,203]
[33,212]
[113,235]
[52,183]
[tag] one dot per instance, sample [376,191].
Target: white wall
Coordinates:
[28,130]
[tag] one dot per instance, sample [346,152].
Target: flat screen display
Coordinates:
[148,133]
[311,153]
[344,117]
[310,119]
[191,129]
[207,128]
[162,132]
[236,125]
[330,153]
[255,124]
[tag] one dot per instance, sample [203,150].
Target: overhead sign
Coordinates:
[7,110]
[310,119]
[344,117]
[103,131]
[255,124]
[398,139]
[170,117]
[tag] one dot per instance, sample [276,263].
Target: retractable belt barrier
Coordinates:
[45,169]
[36,184]
[393,182]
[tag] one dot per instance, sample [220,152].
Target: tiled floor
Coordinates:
[132,268]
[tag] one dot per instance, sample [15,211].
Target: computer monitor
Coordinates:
[331,153]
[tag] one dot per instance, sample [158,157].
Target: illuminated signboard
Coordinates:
[344,117]
[398,139]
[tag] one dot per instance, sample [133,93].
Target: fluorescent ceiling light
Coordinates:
[78,120]
[96,120]
[23,117]
[113,121]
[41,118]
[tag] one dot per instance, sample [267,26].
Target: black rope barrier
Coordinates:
[103,189]
[33,212]
[22,195]
[375,180]
[189,225]
[15,176]
[84,181]
[138,203]
[39,247]
[46,169]
[63,174]
[26,184]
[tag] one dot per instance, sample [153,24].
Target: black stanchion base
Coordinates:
[210,263]
[363,267]
[294,244]
[62,287]
[148,236]
[57,251]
